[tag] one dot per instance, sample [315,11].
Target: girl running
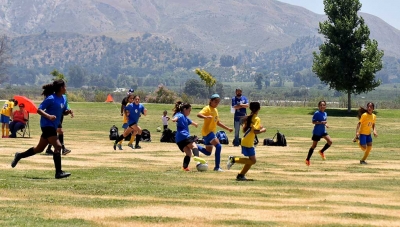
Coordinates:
[211,120]
[363,130]
[125,124]
[320,124]
[184,140]
[133,110]
[50,111]
[252,126]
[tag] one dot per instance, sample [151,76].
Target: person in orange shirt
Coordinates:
[19,119]
[363,130]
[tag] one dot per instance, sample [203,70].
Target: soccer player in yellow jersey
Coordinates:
[6,112]
[251,127]
[363,130]
[211,120]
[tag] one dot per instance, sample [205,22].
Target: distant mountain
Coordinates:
[159,37]
[211,26]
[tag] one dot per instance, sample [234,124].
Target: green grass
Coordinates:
[147,188]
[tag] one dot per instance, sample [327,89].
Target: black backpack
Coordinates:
[168,136]
[146,137]
[113,133]
[222,137]
[280,139]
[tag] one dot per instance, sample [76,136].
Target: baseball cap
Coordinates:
[214,96]
[238,89]
[131,90]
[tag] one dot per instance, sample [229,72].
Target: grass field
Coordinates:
[147,188]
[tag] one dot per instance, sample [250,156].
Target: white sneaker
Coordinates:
[230,162]
[119,147]
[131,146]
[218,170]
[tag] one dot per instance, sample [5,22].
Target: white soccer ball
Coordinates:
[202,167]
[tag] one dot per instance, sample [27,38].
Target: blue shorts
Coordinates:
[248,151]
[5,119]
[364,139]
[125,126]
[208,138]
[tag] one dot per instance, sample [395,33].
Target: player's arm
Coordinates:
[220,124]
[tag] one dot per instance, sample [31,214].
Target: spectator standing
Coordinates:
[239,105]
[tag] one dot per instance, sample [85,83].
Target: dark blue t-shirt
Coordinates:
[53,105]
[319,129]
[239,113]
[182,127]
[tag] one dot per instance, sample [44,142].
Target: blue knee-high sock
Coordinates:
[203,150]
[218,149]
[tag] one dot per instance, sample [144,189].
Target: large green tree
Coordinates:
[348,59]
[207,78]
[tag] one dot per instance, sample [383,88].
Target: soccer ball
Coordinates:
[158,129]
[202,167]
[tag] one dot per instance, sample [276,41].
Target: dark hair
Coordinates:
[14,100]
[49,89]
[363,110]
[254,107]
[320,102]
[180,106]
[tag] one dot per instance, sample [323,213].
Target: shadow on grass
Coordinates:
[341,113]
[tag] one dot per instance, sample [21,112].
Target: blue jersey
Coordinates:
[239,113]
[134,112]
[319,129]
[182,127]
[53,105]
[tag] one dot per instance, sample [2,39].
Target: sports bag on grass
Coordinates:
[222,137]
[113,133]
[146,137]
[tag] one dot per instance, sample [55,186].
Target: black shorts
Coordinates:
[318,138]
[183,143]
[48,132]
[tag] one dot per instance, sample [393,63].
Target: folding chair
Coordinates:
[25,131]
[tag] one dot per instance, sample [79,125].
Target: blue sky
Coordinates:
[387,10]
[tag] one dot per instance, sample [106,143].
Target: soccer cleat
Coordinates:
[198,159]
[231,161]
[16,160]
[49,152]
[119,147]
[186,169]
[217,169]
[308,163]
[363,162]
[322,155]
[62,174]
[131,146]
[241,177]
[66,151]
[137,147]
[115,145]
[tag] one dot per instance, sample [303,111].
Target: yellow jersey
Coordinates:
[367,121]
[210,124]
[7,108]
[248,137]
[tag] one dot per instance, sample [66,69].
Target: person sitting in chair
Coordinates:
[19,119]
